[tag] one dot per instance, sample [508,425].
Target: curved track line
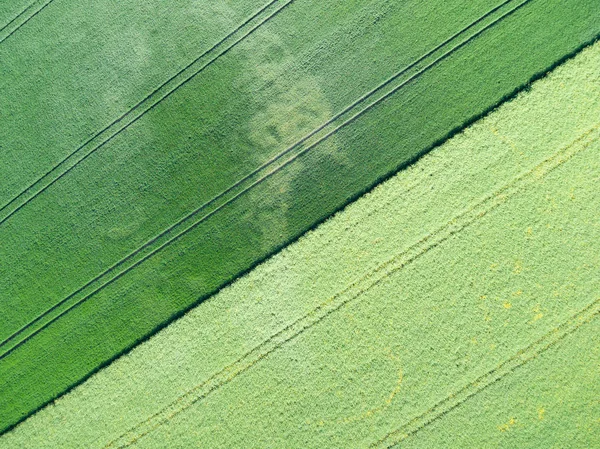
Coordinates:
[133,110]
[358,288]
[255,172]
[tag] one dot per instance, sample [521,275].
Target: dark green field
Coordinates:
[151,155]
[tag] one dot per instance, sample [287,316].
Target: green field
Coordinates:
[10,10]
[15,13]
[559,414]
[151,155]
[441,307]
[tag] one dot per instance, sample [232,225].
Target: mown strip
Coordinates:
[475,289]
[163,185]
[257,176]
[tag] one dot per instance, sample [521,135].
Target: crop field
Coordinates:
[438,310]
[560,415]
[13,14]
[295,223]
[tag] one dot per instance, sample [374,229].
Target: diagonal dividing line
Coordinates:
[359,287]
[106,131]
[296,150]
[22,18]
[522,357]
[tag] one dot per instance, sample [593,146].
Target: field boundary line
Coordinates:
[522,357]
[290,150]
[22,18]
[357,288]
[148,103]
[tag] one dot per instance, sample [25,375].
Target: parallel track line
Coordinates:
[248,188]
[360,286]
[19,16]
[70,162]
[507,367]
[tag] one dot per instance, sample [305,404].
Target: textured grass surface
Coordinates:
[67,245]
[411,296]
[11,9]
[15,14]
[552,403]
[192,147]
[78,65]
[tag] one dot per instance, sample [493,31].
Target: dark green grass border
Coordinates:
[457,130]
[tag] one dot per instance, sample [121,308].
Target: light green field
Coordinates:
[302,109]
[551,404]
[441,285]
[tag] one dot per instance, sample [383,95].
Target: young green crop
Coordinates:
[401,301]
[69,246]
[547,404]
[200,141]
[12,10]
[77,66]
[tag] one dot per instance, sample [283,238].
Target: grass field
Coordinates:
[440,306]
[111,54]
[114,226]
[561,413]
[13,13]
[11,10]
